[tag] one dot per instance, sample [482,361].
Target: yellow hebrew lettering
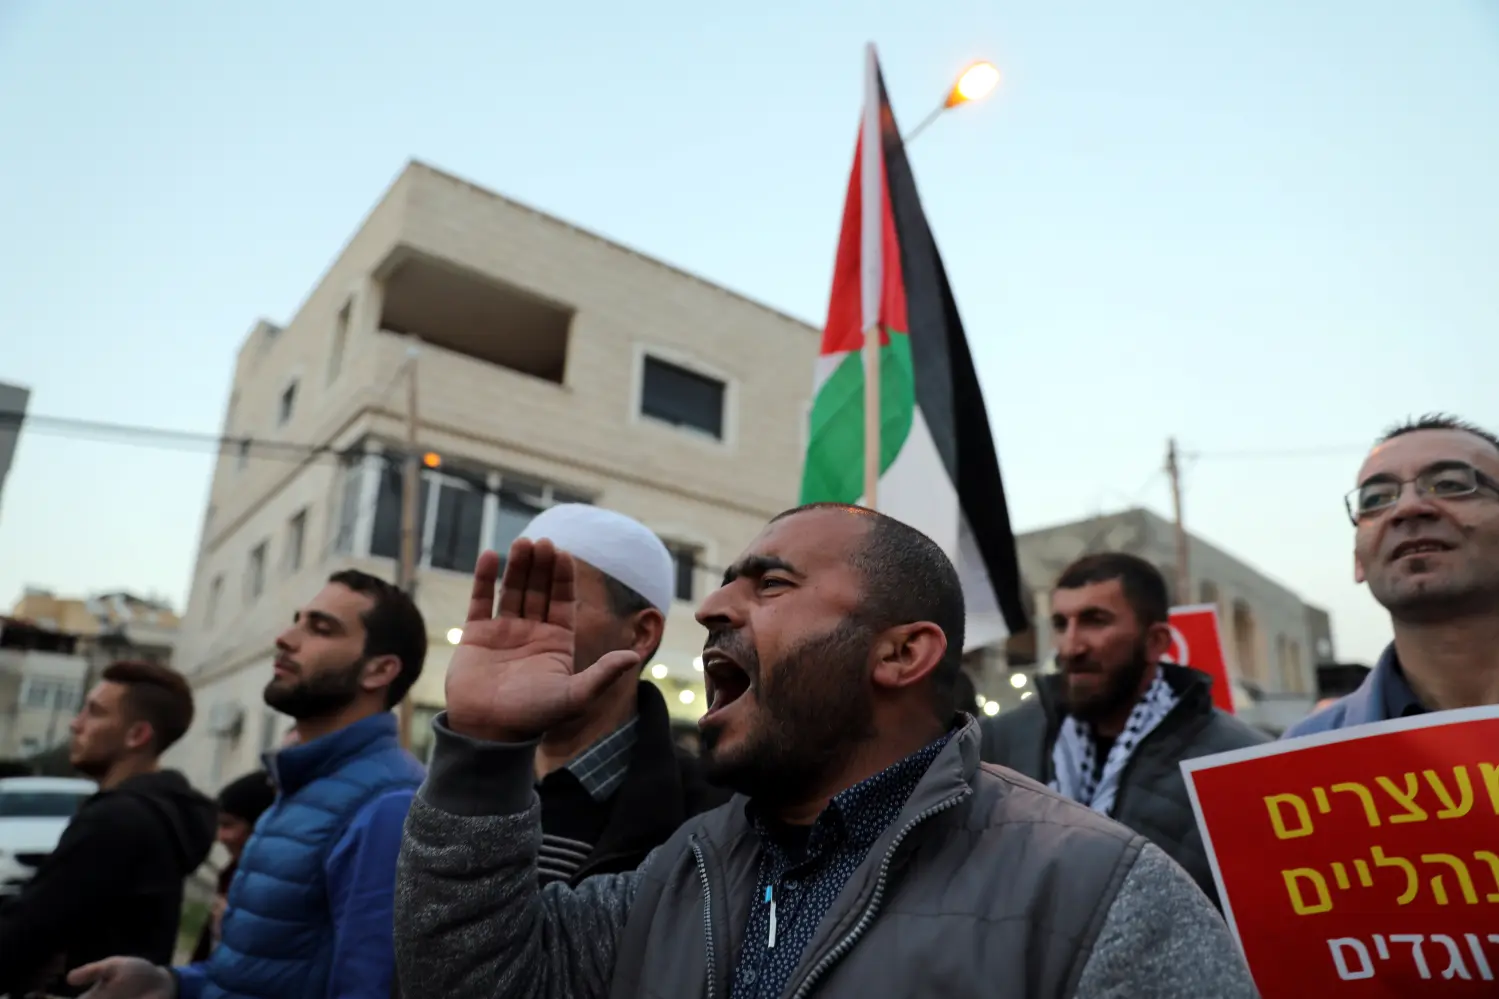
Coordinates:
[1319,794]
[1412,885]
[1277,817]
[1492,859]
[1406,800]
[1489,773]
[1293,879]
[1452,809]
[1365,797]
[1340,875]
[1364,877]
[1464,882]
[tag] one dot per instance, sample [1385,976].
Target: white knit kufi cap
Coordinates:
[616,545]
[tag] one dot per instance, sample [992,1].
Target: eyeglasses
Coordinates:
[1445,482]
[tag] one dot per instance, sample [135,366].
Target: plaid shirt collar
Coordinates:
[601,768]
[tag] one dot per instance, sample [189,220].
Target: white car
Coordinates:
[34,811]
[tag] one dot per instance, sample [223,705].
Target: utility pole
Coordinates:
[410,499]
[1183,566]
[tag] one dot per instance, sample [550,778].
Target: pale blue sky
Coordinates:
[1259,226]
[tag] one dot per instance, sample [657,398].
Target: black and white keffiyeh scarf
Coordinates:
[1074,757]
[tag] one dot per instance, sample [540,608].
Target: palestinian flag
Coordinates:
[937,467]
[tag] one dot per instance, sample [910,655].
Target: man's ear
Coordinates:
[907,654]
[646,630]
[379,672]
[139,735]
[1158,642]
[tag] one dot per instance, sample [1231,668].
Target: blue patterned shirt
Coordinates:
[803,869]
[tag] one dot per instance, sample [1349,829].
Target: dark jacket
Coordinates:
[985,885]
[113,886]
[1152,798]
[663,788]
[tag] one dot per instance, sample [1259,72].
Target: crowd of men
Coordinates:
[847,827]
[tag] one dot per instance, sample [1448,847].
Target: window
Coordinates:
[215,594]
[460,512]
[19,803]
[340,338]
[56,695]
[457,523]
[385,541]
[296,538]
[519,501]
[287,405]
[349,503]
[255,573]
[685,559]
[682,398]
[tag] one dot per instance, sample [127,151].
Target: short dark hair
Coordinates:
[1438,421]
[392,627]
[1143,585]
[157,695]
[625,602]
[907,577]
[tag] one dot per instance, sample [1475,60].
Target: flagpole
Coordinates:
[872,416]
[871,233]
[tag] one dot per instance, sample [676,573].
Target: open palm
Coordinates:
[512,676]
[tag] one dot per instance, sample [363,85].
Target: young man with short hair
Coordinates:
[114,883]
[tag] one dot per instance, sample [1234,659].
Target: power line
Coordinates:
[160,437]
[1327,451]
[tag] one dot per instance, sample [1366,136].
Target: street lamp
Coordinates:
[977,82]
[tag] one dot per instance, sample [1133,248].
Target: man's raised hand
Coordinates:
[512,676]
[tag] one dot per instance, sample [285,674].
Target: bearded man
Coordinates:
[309,910]
[1111,727]
[867,852]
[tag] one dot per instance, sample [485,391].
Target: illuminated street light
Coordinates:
[659,671]
[697,664]
[1017,680]
[991,709]
[977,82]
[455,635]
[686,697]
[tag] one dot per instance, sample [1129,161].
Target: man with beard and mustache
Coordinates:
[309,910]
[1426,521]
[868,852]
[1111,727]
[114,883]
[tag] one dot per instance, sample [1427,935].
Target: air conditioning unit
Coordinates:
[226,720]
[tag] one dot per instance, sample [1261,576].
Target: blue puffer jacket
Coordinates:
[277,938]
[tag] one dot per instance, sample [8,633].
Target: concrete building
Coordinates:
[552,365]
[42,681]
[13,402]
[1273,639]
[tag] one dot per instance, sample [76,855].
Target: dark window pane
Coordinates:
[686,566]
[682,398]
[348,507]
[385,539]
[516,508]
[460,520]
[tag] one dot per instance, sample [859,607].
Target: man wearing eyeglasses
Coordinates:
[1426,517]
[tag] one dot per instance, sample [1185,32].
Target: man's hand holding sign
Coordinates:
[1363,862]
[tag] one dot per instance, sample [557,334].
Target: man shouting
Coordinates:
[868,853]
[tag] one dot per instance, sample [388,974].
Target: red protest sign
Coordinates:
[1361,863]
[1197,641]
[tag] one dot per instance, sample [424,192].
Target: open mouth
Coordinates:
[1420,547]
[724,681]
